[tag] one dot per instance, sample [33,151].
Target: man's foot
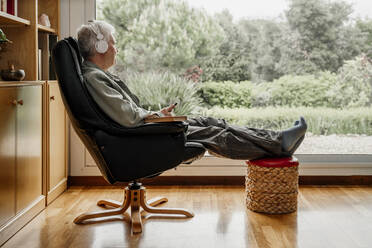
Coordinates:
[298,143]
[292,137]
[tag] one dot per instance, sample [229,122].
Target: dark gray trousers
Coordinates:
[234,142]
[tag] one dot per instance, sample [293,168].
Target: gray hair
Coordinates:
[87,37]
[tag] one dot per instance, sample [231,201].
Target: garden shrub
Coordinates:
[295,91]
[354,84]
[226,94]
[350,87]
[160,89]
[321,121]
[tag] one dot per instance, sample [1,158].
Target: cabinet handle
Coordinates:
[20,102]
[52,98]
[14,102]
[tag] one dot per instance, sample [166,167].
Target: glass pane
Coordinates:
[261,64]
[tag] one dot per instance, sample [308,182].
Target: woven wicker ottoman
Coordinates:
[271,185]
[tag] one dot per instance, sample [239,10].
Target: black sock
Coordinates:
[292,135]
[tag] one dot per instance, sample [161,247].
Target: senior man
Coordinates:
[97,46]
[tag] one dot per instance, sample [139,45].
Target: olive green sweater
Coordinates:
[113,96]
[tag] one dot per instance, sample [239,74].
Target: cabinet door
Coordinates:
[57,137]
[7,154]
[29,146]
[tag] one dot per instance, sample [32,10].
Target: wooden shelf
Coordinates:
[52,81]
[46,173]
[11,20]
[19,83]
[46,29]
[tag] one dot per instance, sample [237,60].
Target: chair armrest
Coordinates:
[151,128]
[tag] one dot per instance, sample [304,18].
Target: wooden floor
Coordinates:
[327,217]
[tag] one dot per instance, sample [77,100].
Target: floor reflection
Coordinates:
[326,217]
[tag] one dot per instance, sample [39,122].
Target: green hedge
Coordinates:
[226,94]
[291,91]
[351,87]
[295,91]
[324,121]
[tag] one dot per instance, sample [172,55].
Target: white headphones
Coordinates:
[101,45]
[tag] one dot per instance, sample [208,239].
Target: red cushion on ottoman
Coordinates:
[275,162]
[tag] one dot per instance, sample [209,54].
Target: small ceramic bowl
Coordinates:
[13,75]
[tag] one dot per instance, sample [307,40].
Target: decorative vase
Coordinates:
[44,20]
[3,45]
[12,74]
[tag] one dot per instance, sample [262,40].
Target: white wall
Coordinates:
[74,13]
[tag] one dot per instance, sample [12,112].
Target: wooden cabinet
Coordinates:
[29,146]
[7,154]
[32,118]
[32,151]
[20,156]
[56,168]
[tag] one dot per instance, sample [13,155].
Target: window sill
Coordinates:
[310,165]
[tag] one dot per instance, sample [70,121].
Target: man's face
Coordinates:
[111,52]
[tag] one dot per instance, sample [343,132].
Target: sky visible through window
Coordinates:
[268,8]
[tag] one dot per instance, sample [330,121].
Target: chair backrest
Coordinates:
[117,151]
[68,61]
[85,116]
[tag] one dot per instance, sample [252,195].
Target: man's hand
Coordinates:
[168,110]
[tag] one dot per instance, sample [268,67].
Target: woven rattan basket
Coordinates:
[272,189]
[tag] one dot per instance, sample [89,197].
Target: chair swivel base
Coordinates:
[135,198]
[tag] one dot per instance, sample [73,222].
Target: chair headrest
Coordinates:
[68,62]
[74,44]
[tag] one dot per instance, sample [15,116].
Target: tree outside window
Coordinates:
[314,61]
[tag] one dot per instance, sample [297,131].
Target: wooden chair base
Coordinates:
[135,198]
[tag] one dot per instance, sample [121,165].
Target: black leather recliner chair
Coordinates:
[122,154]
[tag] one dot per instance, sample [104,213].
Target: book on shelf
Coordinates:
[46,43]
[3,5]
[52,42]
[9,6]
[12,7]
[39,57]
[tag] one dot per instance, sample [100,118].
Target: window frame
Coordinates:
[311,164]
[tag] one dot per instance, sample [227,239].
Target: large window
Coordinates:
[262,65]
